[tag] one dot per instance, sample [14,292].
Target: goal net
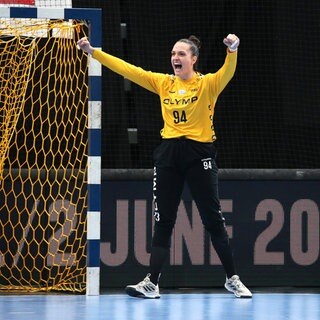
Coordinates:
[43,155]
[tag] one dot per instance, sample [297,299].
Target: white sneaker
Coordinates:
[144,289]
[235,286]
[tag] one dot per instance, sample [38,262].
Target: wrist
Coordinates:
[90,50]
[232,50]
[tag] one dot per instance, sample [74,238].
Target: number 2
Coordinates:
[61,234]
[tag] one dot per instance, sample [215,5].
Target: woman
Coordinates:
[187,152]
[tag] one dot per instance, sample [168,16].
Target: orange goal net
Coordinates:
[43,155]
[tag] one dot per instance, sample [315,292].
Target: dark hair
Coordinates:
[194,43]
[195,46]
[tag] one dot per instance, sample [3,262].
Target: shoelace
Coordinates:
[237,283]
[144,282]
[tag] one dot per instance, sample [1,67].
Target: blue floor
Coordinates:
[171,306]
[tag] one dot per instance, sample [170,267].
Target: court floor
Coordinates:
[171,306]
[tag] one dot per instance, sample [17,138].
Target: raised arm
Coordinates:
[226,72]
[146,79]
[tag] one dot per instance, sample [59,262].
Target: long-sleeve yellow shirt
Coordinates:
[187,105]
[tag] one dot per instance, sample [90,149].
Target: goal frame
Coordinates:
[94,20]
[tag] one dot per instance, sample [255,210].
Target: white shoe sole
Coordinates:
[132,292]
[238,295]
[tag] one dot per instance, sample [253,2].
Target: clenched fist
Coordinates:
[85,45]
[232,42]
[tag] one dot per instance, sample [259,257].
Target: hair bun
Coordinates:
[195,40]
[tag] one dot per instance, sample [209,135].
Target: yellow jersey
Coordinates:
[187,105]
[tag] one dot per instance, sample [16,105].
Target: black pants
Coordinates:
[181,160]
[177,161]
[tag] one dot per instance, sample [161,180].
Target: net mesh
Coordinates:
[43,155]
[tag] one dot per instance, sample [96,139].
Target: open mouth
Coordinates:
[177,66]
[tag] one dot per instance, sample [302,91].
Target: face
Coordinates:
[182,60]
